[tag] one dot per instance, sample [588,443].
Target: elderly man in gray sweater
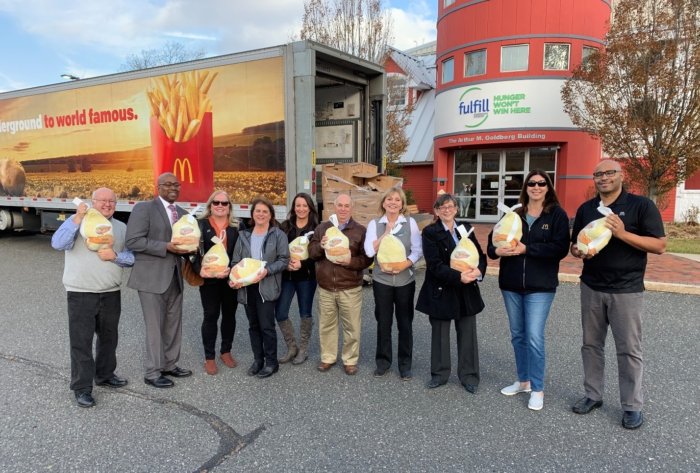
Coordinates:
[92,280]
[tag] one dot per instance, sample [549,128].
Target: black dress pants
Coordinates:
[91,314]
[218,299]
[467,350]
[261,326]
[390,301]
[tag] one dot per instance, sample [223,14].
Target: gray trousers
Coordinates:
[162,316]
[623,313]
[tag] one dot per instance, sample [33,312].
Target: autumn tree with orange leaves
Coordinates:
[641,93]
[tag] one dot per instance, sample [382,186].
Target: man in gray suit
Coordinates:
[157,276]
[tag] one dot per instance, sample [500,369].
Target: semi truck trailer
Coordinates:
[259,122]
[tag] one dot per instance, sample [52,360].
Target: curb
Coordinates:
[648,285]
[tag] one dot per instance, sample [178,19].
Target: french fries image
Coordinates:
[179,102]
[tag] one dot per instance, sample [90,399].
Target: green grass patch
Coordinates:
[674,245]
[682,238]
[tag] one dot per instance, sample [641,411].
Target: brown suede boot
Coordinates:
[307,324]
[287,330]
[210,367]
[228,360]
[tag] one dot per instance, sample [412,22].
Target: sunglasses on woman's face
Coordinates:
[537,183]
[223,203]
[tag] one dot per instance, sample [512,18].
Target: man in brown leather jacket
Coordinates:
[340,289]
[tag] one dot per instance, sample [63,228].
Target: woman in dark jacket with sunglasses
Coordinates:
[528,278]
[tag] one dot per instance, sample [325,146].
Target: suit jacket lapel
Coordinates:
[166,218]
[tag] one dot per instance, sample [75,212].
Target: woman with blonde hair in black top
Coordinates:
[216,295]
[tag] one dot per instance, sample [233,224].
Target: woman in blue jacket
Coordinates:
[528,278]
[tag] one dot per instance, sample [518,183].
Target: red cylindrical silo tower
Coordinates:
[500,68]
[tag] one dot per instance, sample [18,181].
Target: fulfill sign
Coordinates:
[499,106]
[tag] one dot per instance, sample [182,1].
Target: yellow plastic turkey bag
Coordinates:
[391,254]
[299,247]
[509,230]
[593,237]
[246,271]
[186,233]
[96,230]
[338,246]
[465,255]
[215,260]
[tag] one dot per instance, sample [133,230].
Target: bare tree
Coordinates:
[641,94]
[359,27]
[172,52]
[398,118]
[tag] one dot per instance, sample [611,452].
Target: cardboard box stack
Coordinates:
[362,182]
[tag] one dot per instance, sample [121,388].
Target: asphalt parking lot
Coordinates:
[303,420]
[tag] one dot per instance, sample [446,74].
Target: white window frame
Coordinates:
[391,76]
[513,46]
[584,57]
[451,61]
[466,62]
[568,57]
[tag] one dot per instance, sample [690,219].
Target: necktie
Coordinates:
[173,213]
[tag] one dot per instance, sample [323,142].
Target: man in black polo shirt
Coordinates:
[612,285]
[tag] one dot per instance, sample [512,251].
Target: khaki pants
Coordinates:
[345,306]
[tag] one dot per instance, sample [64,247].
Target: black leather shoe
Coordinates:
[379,372]
[84,399]
[161,382]
[632,419]
[268,371]
[255,368]
[177,372]
[114,382]
[435,383]
[585,405]
[406,375]
[472,388]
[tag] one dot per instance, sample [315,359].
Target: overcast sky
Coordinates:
[42,39]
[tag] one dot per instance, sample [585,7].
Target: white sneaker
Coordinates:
[536,402]
[514,389]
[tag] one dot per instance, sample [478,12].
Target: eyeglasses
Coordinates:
[610,173]
[175,185]
[223,203]
[537,183]
[445,208]
[105,201]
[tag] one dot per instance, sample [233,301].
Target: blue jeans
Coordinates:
[304,290]
[527,314]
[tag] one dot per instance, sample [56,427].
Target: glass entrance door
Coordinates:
[486,177]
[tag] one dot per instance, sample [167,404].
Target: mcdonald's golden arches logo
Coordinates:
[182,165]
